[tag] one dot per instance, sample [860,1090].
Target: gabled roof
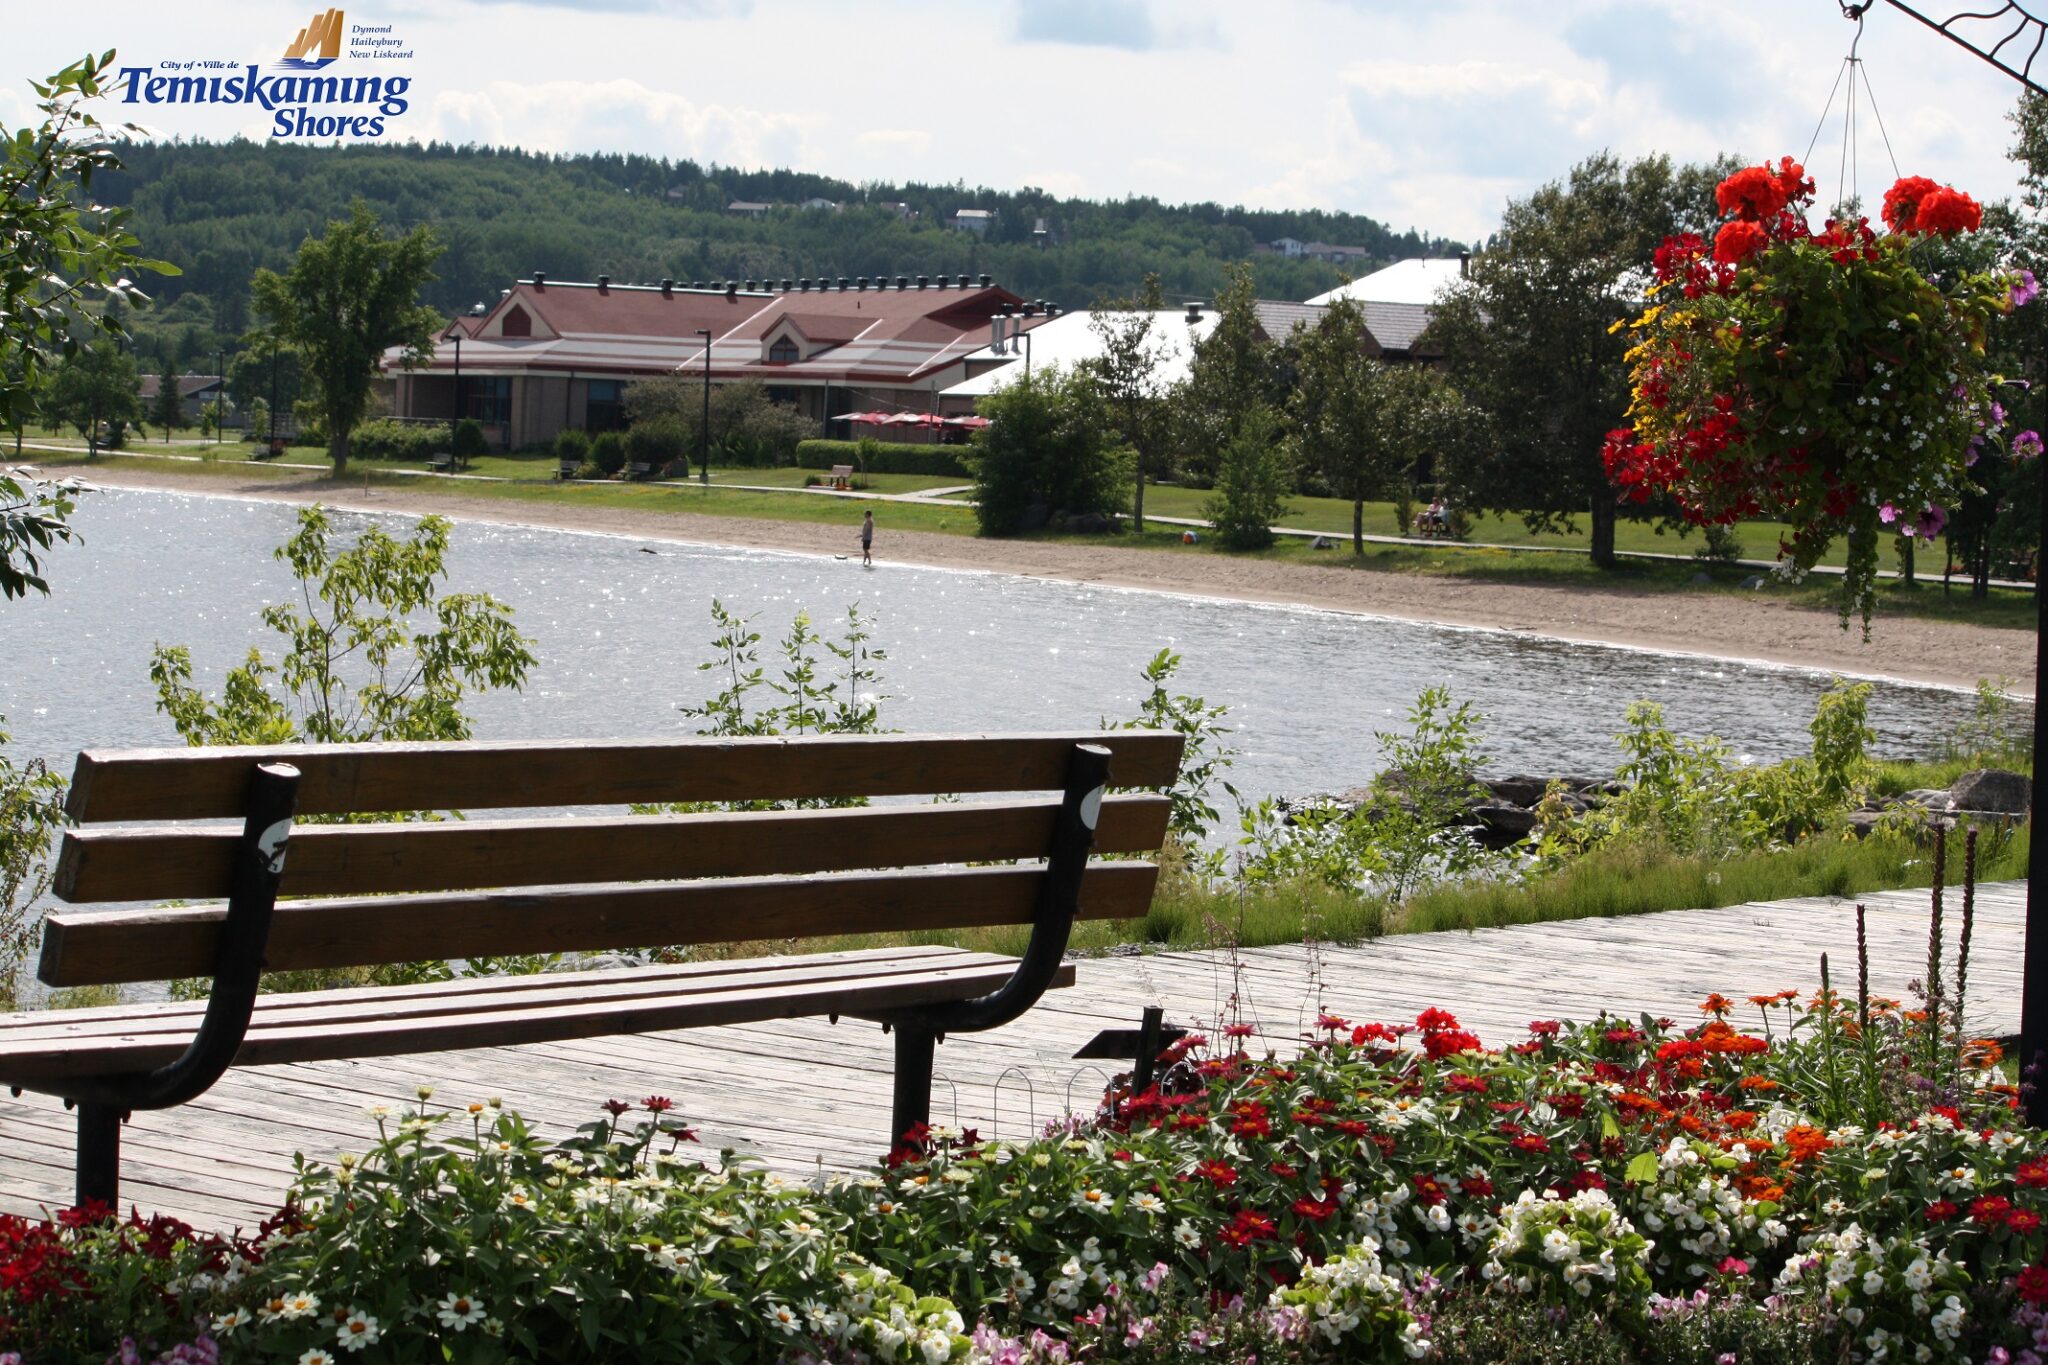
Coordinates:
[188,384]
[1278,318]
[1068,340]
[873,336]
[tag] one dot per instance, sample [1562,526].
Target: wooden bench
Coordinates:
[565,469]
[149,829]
[842,475]
[442,463]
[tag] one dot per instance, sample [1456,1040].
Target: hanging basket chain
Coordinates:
[1855,70]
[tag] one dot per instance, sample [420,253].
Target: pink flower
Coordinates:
[1155,1277]
[1137,1331]
[2023,290]
[1887,514]
[1932,520]
[2027,446]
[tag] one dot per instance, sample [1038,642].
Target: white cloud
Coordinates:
[619,115]
[896,140]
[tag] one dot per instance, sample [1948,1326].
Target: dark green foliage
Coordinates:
[261,368]
[468,442]
[168,411]
[751,430]
[1232,373]
[350,294]
[608,452]
[94,391]
[1048,452]
[1251,484]
[572,443]
[410,441]
[884,457]
[217,209]
[656,443]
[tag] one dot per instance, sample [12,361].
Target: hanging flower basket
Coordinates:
[1832,380]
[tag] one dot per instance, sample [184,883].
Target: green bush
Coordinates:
[386,439]
[883,457]
[573,444]
[657,443]
[590,469]
[1251,484]
[1048,452]
[608,453]
[469,439]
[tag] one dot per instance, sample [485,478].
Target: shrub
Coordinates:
[608,453]
[870,456]
[1251,484]
[386,439]
[468,440]
[572,444]
[590,469]
[656,443]
[1048,452]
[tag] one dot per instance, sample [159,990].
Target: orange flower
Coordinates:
[1983,1053]
[1756,1083]
[1803,1142]
[1716,1004]
[1738,1119]
[1737,241]
[1760,1187]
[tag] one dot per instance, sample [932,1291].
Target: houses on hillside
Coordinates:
[195,391]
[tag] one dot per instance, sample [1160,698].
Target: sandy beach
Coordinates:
[1720,625]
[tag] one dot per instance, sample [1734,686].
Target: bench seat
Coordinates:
[386,1021]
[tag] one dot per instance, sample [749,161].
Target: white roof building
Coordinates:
[1067,340]
[1418,281]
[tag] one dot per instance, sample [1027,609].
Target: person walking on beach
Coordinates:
[867,539]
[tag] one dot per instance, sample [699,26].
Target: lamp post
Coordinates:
[458,383]
[271,444]
[220,392]
[704,427]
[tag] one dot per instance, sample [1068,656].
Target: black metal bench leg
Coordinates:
[99,1154]
[912,1107]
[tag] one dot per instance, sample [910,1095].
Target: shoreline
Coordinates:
[1764,632]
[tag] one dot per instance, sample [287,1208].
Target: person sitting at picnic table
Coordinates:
[1435,519]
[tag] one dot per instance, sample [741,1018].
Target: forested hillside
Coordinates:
[219,210]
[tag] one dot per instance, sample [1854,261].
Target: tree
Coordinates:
[1529,336]
[1046,451]
[1251,484]
[64,252]
[1339,411]
[168,411]
[349,297]
[1230,374]
[354,667]
[264,365]
[94,387]
[1133,347]
[748,428]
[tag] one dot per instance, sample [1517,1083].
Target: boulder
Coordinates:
[1090,524]
[1519,788]
[1504,817]
[1932,798]
[1754,583]
[1992,789]
[1702,578]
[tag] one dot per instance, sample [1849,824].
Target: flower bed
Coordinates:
[1795,1178]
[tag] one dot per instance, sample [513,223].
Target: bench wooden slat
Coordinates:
[184,862]
[482,994]
[209,783]
[101,949]
[731,969]
[920,983]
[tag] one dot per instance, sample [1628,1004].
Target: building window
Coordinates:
[604,406]
[783,352]
[488,399]
[517,323]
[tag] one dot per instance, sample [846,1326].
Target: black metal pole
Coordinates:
[2034,949]
[704,426]
[272,443]
[220,392]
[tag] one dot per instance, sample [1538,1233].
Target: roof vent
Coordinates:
[923,280]
[860,284]
[1464,264]
[788,285]
[668,288]
[731,289]
[903,281]
[540,281]
[842,284]
[1194,310]
[604,284]
[987,280]
[803,286]
[750,286]
[504,293]
[963,281]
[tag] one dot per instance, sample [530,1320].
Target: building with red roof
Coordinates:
[550,355]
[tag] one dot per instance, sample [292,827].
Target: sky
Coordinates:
[1429,114]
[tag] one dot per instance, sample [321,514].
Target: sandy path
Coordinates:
[1903,648]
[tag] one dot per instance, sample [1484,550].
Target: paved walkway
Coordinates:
[806,1094]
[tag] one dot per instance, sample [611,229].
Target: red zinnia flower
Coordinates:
[2033,1284]
[1316,1210]
[2023,1221]
[1218,1173]
[1992,1208]
[1941,1210]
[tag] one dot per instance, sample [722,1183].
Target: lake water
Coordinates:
[620,631]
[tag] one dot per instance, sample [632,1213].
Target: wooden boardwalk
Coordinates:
[806,1094]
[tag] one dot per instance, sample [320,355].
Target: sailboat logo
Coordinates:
[318,43]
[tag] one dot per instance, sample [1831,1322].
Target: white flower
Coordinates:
[785,1319]
[1184,1233]
[316,1356]
[1147,1203]
[230,1322]
[458,1311]
[358,1331]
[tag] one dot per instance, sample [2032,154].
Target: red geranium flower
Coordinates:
[1947,212]
[1751,193]
[1432,1020]
[1902,201]
[1736,242]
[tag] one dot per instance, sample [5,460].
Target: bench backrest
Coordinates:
[452,888]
